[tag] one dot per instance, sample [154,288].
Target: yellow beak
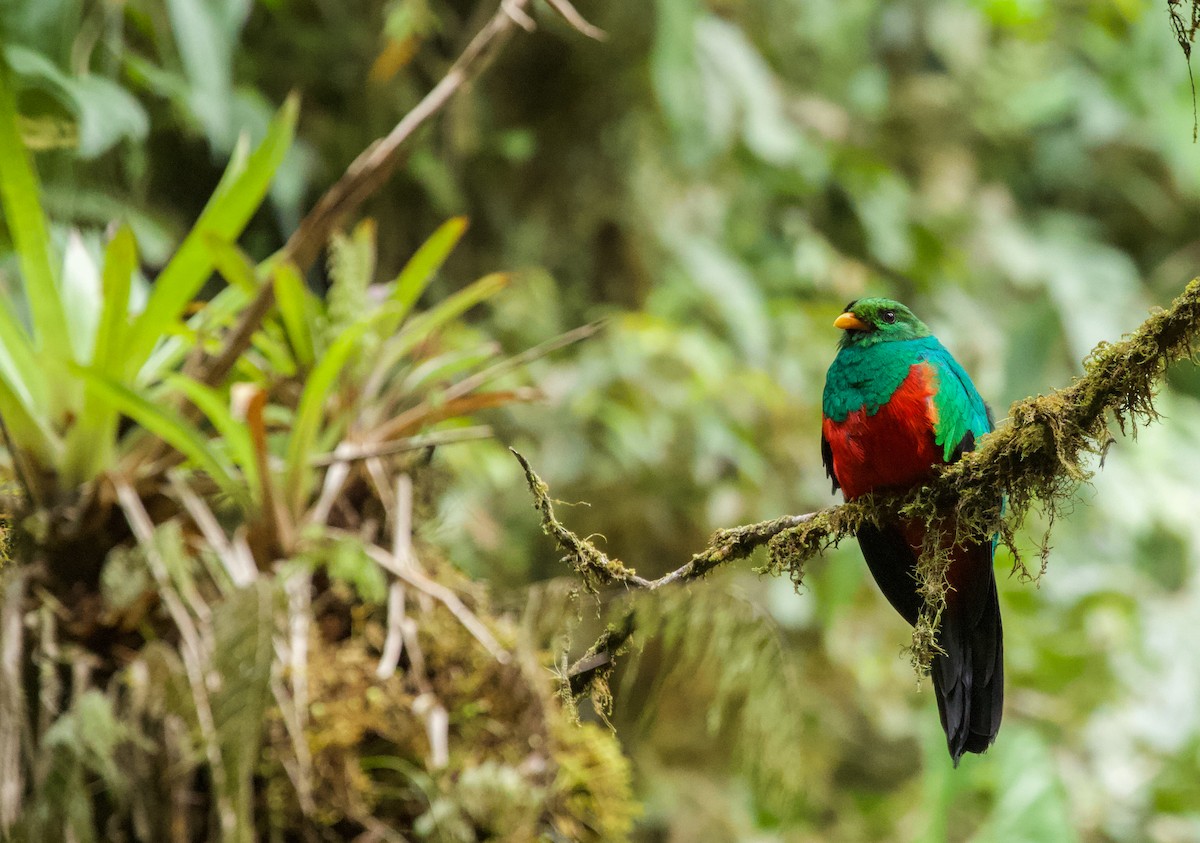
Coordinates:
[850,322]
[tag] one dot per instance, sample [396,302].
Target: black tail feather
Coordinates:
[968,676]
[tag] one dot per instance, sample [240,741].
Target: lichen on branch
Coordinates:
[1040,456]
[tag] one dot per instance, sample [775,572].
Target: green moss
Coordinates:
[594,567]
[591,797]
[518,764]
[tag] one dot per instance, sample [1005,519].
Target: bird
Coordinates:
[896,405]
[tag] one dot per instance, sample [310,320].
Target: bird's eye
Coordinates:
[889,316]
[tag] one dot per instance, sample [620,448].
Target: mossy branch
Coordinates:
[597,569]
[1038,456]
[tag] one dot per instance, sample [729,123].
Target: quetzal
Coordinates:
[896,405]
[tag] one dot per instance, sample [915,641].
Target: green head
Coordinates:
[866,322]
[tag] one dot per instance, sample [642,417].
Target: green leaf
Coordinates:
[309,413]
[21,198]
[241,191]
[743,88]
[168,426]
[96,209]
[297,311]
[444,368]
[84,748]
[349,563]
[324,376]
[19,365]
[233,431]
[27,431]
[120,262]
[420,327]
[81,296]
[206,35]
[352,268]
[424,264]
[235,265]
[91,441]
[105,112]
[92,732]
[1031,803]
[271,343]
[219,312]
[243,625]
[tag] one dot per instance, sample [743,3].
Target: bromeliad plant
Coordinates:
[325,385]
[182,532]
[77,353]
[74,324]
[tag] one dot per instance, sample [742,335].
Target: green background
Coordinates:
[715,180]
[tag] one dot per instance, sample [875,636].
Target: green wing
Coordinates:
[962,416]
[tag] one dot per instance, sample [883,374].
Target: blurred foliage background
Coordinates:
[715,180]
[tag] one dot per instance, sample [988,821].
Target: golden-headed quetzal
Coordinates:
[896,405]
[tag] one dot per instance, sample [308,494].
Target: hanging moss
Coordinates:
[1185,29]
[594,567]
[589,675]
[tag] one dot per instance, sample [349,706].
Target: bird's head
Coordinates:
[866,322]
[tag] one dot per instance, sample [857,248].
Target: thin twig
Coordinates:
[239,566]
[331,488]
[376,163]
[401,629]
[49,660]
[460,390]
[437,591]
[348,452]
[738,540]
[1024,459]
[571,15]
[377,830]
[428,412]
[383,487]
[427,705]
[597,662]
[278,529]
[470,384]
[177,758]
[520,17]
[393,644]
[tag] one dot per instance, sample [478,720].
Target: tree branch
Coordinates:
[1038,456]
[597,569]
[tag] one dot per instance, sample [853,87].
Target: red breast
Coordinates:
[894,447]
